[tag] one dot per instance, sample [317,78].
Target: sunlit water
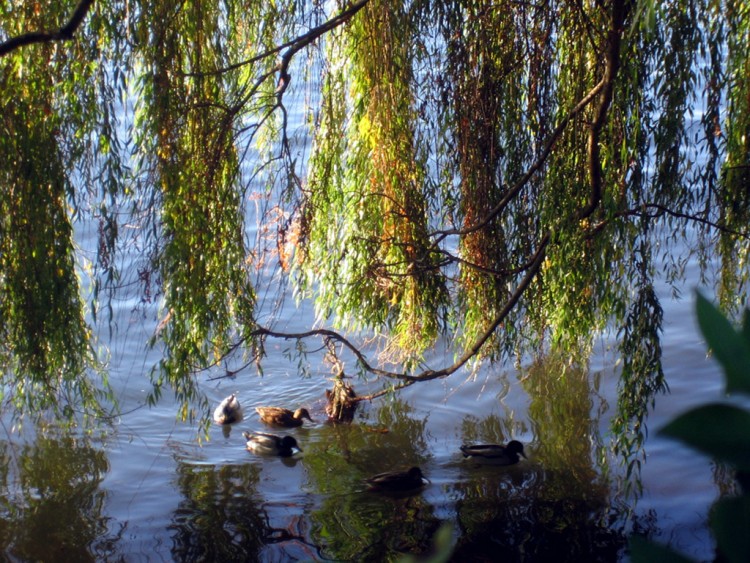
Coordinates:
[150,491]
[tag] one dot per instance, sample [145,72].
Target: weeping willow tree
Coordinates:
[506,175]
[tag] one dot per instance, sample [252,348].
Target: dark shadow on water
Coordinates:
[518,514]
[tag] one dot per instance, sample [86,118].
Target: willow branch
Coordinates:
[426,375]
[532,272]
[611,67]
[331,335]
[536,165]
[382,392]
[304,40]
[293,45]
[659,210]
[65,33]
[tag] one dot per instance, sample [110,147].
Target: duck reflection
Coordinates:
[492,429]
[56,513]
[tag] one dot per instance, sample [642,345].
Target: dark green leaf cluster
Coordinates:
[721,431]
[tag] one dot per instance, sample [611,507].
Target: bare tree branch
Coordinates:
[656,210]
[65,33]
[426,375]
[611,67]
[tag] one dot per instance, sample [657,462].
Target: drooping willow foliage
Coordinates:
[505,174]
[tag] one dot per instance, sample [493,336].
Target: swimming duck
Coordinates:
[270,444]
[277,416]
[493,453]
[229,411]
[397,481]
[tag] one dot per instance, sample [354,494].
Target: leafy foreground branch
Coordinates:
[721,431]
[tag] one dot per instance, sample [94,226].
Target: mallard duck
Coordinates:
[397,481]
[270,444]
[229,411]
[277,416]
[493,453]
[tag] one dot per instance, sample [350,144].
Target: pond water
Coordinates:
[149,490]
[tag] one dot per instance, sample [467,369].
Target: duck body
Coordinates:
[494,453]
[397,481]
[270,444]
[277,416]
[229,411]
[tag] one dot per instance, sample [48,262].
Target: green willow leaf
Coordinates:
[732,349]
[402,165]
[720,431]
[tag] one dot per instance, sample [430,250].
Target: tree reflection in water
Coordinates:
[52,504]
[222,517]
[348,521]
[559,505]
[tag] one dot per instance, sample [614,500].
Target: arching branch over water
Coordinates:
[65,33]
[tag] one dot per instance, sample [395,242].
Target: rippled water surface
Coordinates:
[150,491]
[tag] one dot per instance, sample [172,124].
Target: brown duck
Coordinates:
[276,416]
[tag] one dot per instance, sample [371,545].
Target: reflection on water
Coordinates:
[220,502]
[525,515]
[219,517]
[556,506]
[52,503]
[565,426]
[349,522]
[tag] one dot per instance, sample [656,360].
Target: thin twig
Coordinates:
[642,211]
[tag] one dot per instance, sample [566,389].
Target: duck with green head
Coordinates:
[271,445]
[494,453]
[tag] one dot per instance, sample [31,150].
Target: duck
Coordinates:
[494,453]
[276,416]
[270,444]
[397,481]
[229,411]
